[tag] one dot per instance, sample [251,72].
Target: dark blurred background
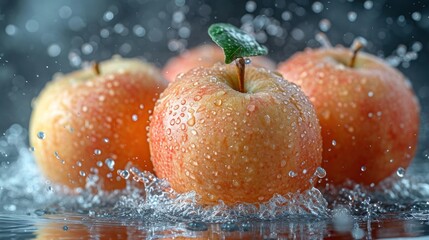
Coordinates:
[41,38]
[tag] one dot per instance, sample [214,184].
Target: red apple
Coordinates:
[234,146]
[368,112]
[204,56]
[87,122]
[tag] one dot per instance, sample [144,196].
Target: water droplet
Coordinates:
[134,117]
[416,16]
[334,143]
[400,172]
[124,174]
[65,228]
[97,151]
[99,164]
[110,163]
[229,226]
[251,107]
[82,173]
[324,25]
[363,168]
[250,6]
[106,140]
[41,135]
[218,102]
[196,226]
[370,94]
[317,7]
[247,61]
[352,16]
[320,172]
[368,4]
[292,174]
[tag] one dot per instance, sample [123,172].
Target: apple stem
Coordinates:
[241,65]
[357,45]
[323,40]
[96,67]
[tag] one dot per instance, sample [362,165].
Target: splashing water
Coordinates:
[23,189]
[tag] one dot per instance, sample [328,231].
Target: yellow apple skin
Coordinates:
[205,55]
[87,118]
[369,114]
[227,145]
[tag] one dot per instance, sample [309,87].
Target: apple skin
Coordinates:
[226,145]
[82,112]
[205,55]
[369,114]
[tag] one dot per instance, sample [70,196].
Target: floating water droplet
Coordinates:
[416,16]
[250,6]
[324,25]
[368,4]
[352,16]
[320,172]
[317,7]
[110,163]
[41,135]
[400,172]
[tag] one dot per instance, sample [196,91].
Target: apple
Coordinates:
[367,110]
[236,146]
[205,55]
[93,121]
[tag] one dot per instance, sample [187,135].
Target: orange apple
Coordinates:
[205,56]
[92,123]
[234,146]
[367,110]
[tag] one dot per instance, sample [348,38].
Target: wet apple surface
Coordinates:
[88,123]
[226,145]
[368,113]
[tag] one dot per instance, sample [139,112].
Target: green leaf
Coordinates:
[235,42]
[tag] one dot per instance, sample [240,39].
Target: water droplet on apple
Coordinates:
[334,143]
[400,172]
[370,94]
[41,135]
[99,163]
[110,163]
[123,174]
[97,151]
[106,140]
[363,168]
[218,102]
[82,173]
[292,174]
[251,107]
[135,117]
[320,172]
